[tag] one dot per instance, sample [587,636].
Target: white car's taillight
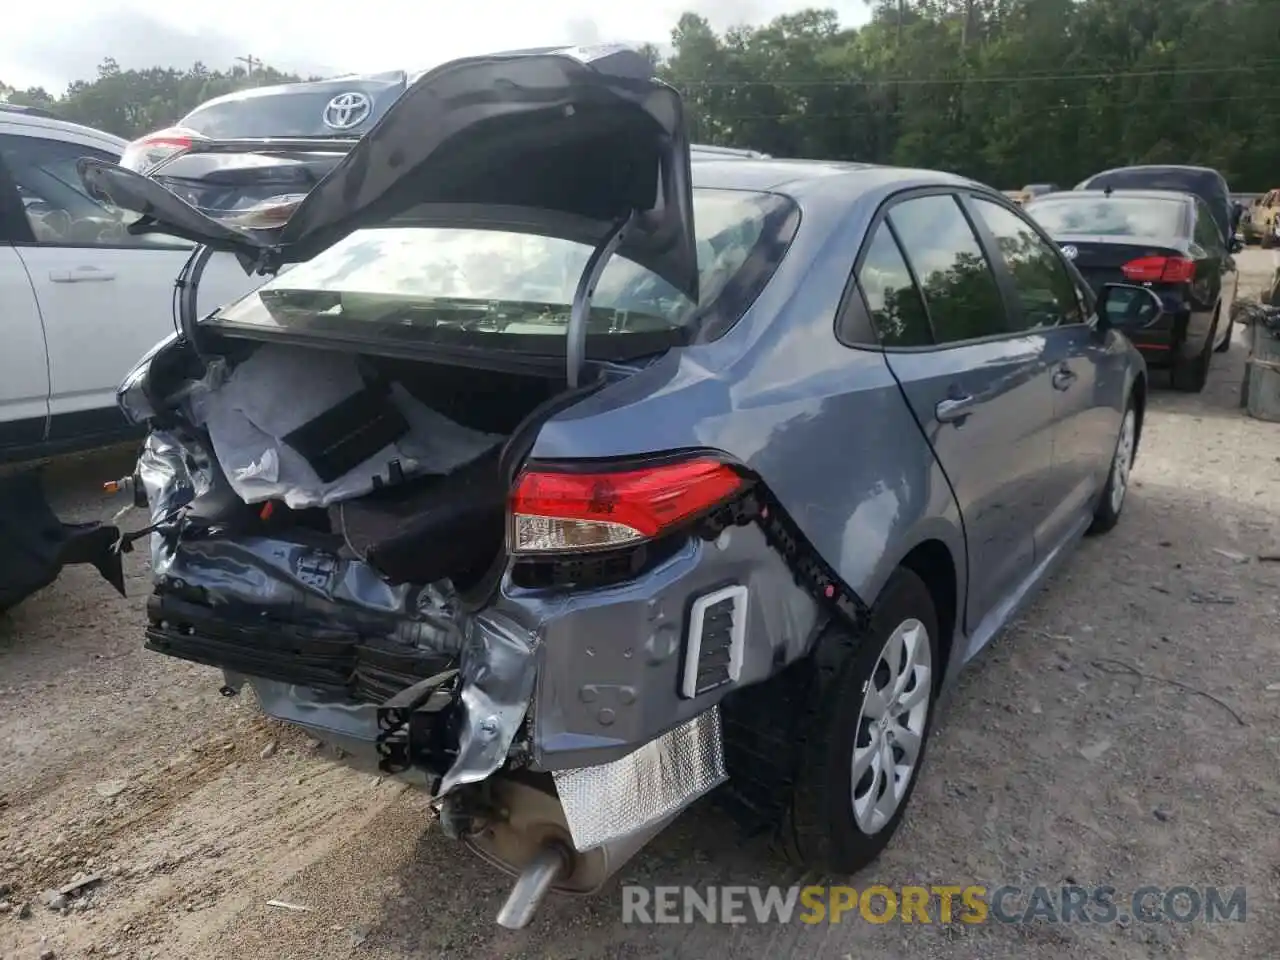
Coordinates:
[568,511]
[267,214]
[145,152]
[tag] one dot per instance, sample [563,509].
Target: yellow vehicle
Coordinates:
[1261,223]
[1030,192]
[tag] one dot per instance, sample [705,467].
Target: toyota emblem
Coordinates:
[1069,252]
[347,110]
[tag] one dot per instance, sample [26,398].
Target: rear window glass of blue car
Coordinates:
[514,290]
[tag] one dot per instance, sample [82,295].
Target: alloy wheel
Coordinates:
[1123,462]
[891,726]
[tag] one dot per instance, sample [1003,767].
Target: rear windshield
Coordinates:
[514,290]
[300,113]
[1206,185]
[1110,216]
[1184,181]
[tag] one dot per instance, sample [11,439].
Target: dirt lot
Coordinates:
[1056,763]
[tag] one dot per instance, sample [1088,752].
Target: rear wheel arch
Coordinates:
[932,562]
[1139,396]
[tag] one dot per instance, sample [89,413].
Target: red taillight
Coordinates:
[554,511]
[145,152]
[1160,270]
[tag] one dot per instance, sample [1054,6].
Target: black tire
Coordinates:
[821,831]
[1190,376]
[1107,514]
[1225,345]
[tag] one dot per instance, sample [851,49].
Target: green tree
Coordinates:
[133,102]
[1006,91]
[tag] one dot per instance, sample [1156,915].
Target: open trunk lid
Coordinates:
[569,143]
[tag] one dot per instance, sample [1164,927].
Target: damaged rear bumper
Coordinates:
[585,689]
[35,545]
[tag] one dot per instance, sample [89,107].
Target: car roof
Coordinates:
[51,128]
[842,180]
[1188,168]
[6,107]
[1202,176]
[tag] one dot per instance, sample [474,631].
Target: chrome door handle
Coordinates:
[81,275]
[953,409]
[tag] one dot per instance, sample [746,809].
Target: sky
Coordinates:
[52,45]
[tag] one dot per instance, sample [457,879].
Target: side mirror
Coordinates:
[1237,243]
[1123,305]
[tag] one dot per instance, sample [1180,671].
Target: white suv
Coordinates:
[82,298]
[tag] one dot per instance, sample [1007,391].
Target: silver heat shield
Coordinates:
[611,801]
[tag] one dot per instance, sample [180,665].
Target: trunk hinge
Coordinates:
[186,287]
[580,313]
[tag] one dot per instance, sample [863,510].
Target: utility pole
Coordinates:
[250,62]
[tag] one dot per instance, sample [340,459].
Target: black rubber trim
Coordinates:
[320,657]
[812,573]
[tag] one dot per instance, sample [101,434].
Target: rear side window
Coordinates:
[1206,232]
[1045,290]
[58,210]
[960,290]
[892,298]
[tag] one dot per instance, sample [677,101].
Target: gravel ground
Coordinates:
[1065,756]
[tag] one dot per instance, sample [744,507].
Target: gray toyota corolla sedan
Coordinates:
[576,478]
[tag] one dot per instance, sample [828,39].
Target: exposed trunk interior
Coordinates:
[356,590]
[411,527]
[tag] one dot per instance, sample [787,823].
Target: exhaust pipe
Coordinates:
[532,842]
[550,864]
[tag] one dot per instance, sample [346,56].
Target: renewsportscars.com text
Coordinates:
[932,904]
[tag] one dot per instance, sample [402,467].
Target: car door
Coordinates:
[24,372]
[105,296]
[979,390]
[1088,368]
[1224,277]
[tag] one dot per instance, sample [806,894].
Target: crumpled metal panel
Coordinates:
[316,585]
[312,584]
[498,672]
[646,787]
[172,473]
